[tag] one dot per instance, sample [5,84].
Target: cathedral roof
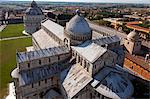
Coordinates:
[89,48]
[54,28]
[51,94]
[44,40]
[74,79]
[37,74]
[112,83]
[133,35]
[28,56]
[34,9]
[106,40]
[78,25]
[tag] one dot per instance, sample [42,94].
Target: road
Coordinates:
[106,30]
[12,38]
[110,31]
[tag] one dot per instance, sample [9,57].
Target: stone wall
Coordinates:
[32,23]
[35,89]
[55,37]
[89,93]
[137,69]
[43,61]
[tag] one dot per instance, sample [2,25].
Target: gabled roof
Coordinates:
[51,94]
[54,28]
[106,40]
[74,79]
[37,74]
[88,49]
[44,40]
[37,54]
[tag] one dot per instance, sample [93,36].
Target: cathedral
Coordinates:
[71,62]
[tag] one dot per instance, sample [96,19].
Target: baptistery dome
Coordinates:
[34,9]
[32,19]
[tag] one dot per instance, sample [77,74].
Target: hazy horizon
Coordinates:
[92,1]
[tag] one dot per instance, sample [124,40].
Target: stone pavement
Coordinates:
[11,38]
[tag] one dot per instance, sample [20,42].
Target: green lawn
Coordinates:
[12,30]
[8,60]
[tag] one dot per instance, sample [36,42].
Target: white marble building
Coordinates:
[32,19]
[72,62]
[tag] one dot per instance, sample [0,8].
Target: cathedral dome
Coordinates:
[133,35]
[34,9]
[78,25]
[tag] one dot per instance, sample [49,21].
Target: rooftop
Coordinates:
[51,94]
[27,56]
[106,40]
[96,35]
[138,61]
[74,80]
[37,74]
[78,25]
[88,48]
[112,83]
[55,28]
[44,40]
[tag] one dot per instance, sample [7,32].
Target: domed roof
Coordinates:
[118,84]
[34,9]
[78,25]
[133,35]
[115,86]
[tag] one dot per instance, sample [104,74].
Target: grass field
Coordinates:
[12,30]
[8,60]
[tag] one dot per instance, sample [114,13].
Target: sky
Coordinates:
[104,1]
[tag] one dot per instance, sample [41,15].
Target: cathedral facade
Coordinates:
[72,62]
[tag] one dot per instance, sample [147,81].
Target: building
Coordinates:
[32,19]
[71,62]
[133,43]
[13,19]
[144,32]
[138,66]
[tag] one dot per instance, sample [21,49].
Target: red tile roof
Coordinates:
[138,61]
[133,25]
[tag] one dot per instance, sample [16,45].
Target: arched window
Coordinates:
[84,63]
[49,60]
[28,65]
[45,80]
[32,85]
[39,83]
[40,62]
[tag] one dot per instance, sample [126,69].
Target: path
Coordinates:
[12,38]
